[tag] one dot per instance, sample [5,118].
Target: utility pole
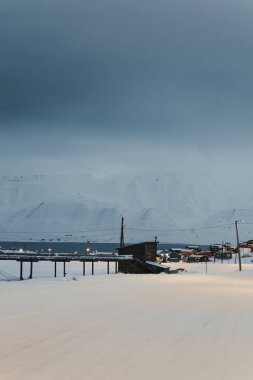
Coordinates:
[238,245]
[122,233]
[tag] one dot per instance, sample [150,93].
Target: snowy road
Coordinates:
[188,326]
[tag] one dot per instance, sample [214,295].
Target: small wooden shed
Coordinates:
[144,254]
[146,251]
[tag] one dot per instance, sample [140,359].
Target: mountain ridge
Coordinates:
[151,203]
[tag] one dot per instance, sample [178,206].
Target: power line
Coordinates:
[182,229]
[128,228]
[57,232]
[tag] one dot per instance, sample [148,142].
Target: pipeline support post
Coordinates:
[31,270]
[21,270]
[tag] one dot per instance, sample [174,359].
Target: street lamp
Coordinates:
[238,243]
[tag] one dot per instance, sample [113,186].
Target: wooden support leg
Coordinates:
[55,269]
[64,268]
[108,268]
[116,267]
[31,270]
[92,268]
[21,271]
[83,268]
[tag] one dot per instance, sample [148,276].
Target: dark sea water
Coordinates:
[71,247]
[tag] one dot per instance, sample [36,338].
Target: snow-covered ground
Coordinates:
[183,326]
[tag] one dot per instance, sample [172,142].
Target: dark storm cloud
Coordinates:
[175,69]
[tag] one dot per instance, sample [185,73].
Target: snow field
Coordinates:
[189,326]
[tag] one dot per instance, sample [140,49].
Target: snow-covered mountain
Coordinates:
[171,206]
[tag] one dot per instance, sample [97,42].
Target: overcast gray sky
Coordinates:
[102,85]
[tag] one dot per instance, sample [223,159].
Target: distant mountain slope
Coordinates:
[89,208]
